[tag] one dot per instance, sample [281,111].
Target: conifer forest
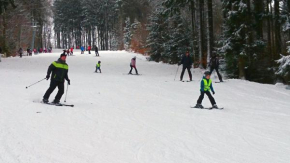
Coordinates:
[250,37]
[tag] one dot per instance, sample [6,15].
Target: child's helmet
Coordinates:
[206,73]
[99,61]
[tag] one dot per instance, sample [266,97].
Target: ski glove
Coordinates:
[68,81]
[47,77]
[213,92]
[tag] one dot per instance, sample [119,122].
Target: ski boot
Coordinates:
[45,100]
[215,106]
[199,106]
[56,102]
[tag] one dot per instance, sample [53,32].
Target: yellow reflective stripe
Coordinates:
[60,65]
[206,85]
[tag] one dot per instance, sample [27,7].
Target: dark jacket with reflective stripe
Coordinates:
[59,70]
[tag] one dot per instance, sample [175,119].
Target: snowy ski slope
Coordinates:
[120,118]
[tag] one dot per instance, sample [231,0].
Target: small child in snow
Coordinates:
[205,87]
[98,67]
[133,65]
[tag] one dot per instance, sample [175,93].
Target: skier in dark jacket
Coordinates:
[205,87]
[214,65]
[20,51]
[187,64]
[97,51]
[59,71]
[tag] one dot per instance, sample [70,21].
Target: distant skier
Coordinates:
[187,64]
[89,49]
[71,51]
[82,49]
[133,65]
[59,71]
[67,52]
[97,51]
[214,65]
[29,52]
[205,87]
[98,67]
[20,52]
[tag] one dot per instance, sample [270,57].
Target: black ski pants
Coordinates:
[183,70]
[53,85]
[132,69]
[217,71]
[212,101]
[98,69]
[97,53]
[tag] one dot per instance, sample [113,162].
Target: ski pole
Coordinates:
[66,93]
[176,72]
[35,83]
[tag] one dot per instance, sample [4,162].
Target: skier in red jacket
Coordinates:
[89,49]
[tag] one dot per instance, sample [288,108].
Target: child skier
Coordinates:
[133,65]
[98,67]
[205,87]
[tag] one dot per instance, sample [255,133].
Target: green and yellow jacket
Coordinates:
[58,70]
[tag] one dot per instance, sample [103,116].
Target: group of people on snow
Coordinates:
[206,82]
[89,50]
[58,72]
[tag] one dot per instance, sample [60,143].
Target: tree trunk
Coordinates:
[277,30]
[201,35]
[241,67]
[258,11]
[58,39]
[210,29]
[193,27]
[269,38]
[5,49]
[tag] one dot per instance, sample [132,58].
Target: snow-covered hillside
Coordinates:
[120,118]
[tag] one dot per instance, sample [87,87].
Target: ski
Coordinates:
[60,104]
[70,105]
[209,108]
[186,81]
[221,82]
[132,74]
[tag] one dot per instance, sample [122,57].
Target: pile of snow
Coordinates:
[129,118]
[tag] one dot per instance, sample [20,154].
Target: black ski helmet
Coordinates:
[206,73]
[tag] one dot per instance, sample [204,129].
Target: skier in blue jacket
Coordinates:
[82,49]
[205,87]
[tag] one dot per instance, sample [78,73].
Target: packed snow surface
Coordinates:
[120,118]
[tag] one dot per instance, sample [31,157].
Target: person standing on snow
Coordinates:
[71,51]
[98,67]
[187,64]
[205,87]
[214,65]
[82,49]
[59,71]
[97,51]
[133,65]
[89,49]
[20,51]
